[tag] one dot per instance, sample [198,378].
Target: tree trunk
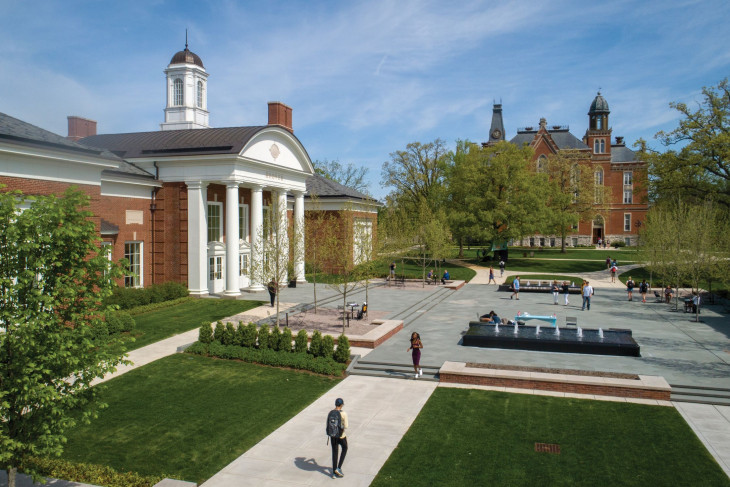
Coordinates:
[11,476]
[461,248]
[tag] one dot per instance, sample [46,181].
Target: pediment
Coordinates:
[279,147]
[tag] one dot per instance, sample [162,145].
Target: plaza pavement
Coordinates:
[381,410]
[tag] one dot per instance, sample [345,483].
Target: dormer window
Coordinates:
[200,95]
[177,93]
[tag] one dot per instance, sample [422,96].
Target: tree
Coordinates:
[349,175]
[701,167]
[494,195]
[53,279]
[574,194]
[416,173]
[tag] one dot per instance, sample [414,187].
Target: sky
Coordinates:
[365,78]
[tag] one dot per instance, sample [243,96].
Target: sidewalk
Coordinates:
[380,411]
[711,424]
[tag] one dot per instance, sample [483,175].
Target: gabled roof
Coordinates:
[562,138]
[326,188]
[168,143]
[621,153]
[15,131]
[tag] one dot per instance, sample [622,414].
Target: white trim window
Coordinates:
[628,196]
[541,163]
[200,94]
[599,146]
[178,92]
[628,178]
[133,274]
[215,266]
[628,187]
[215,216]
[627,222]
[243,264]
[243,233]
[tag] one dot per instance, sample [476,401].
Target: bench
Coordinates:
[400,281]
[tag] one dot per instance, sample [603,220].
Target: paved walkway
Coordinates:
[711,424]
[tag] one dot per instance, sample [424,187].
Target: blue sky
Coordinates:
[365,78]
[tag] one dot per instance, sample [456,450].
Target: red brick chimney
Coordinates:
[79,127]
[280,114]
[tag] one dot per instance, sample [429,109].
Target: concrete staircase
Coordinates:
[701,395]
[393,370]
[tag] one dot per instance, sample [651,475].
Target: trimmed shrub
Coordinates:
[315,346]
[618,243]
[328,346]
[100,332]
[127,298]
[275,338]
[342,354]
[264,337]
[88,473]
[128,322]
[113,322]
[285,340]
[220,330]
[238,334]
[229,337]
[302,342]
[206,333]
[250,333]
[301,361]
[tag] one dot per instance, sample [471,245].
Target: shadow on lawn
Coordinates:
[311,465]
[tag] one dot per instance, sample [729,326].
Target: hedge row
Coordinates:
[115,322]
[87,473]
[157,306]
[268,356]
[263,338]
[128,298]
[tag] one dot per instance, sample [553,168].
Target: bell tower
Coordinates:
[598,135]
[187,92]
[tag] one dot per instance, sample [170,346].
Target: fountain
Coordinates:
[516,330]
[565,340]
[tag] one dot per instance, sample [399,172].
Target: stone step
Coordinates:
[394,374]
[701,395]
[713,401]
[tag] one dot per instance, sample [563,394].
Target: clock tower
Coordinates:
[496,131]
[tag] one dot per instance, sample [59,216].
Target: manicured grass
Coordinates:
[553,266]
[545,277]
[656,282]
[471,437]
[188,416]
[624,255]
[411,269]
[155,325]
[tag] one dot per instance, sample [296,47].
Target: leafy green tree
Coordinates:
[701,166]
[348,175]
[53,279]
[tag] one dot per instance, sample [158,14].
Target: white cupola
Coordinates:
[187,92]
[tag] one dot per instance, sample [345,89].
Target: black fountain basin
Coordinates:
[535,288]
[613,342]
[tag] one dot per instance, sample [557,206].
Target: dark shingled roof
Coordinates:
[167,143]
[186,56]
[562,138]
[621,153]
[326,188]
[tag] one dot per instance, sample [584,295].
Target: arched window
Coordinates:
[200,94]
[603,146]
[177,94]
[599,146]
[598,180]
[598,176]
[541,163]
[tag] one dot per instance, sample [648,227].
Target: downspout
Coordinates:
[153,208]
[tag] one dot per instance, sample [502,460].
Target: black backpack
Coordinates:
[334,424]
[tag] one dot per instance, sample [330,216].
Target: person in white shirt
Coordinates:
[587,293]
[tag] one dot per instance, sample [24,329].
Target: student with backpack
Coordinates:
[643,289]
[336,426]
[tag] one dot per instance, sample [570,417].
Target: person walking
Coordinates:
[643,289]
[566,291]
[392,270]
[491,275]
[608,262]
[587,293]
[501,268]
[614,269]
[272,287]
[630,284]
[516,288]
[338,440]
[416,346]
[556,292]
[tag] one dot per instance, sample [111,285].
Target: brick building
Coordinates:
[187,203]
[612,164]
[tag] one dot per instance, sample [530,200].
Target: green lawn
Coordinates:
[623,255]
[470,437]
[155,325]
[411,269]
[188,416]
[656,282]
[553,266]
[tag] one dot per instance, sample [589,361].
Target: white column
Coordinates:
[283,226]
[257,230]
[232,245]
[197,238]
[299,236]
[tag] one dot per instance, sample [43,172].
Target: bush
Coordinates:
[275,338]
[206,333]
[113,322]
[264,337]
[100,332]
[285,340]
[229,337]
[220,330]
[301,361]
[618,243]
[301,343]
[127,298]
[238,335]
[315,346]
[250,333]
[328,346]
[342,354]
[87,473]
